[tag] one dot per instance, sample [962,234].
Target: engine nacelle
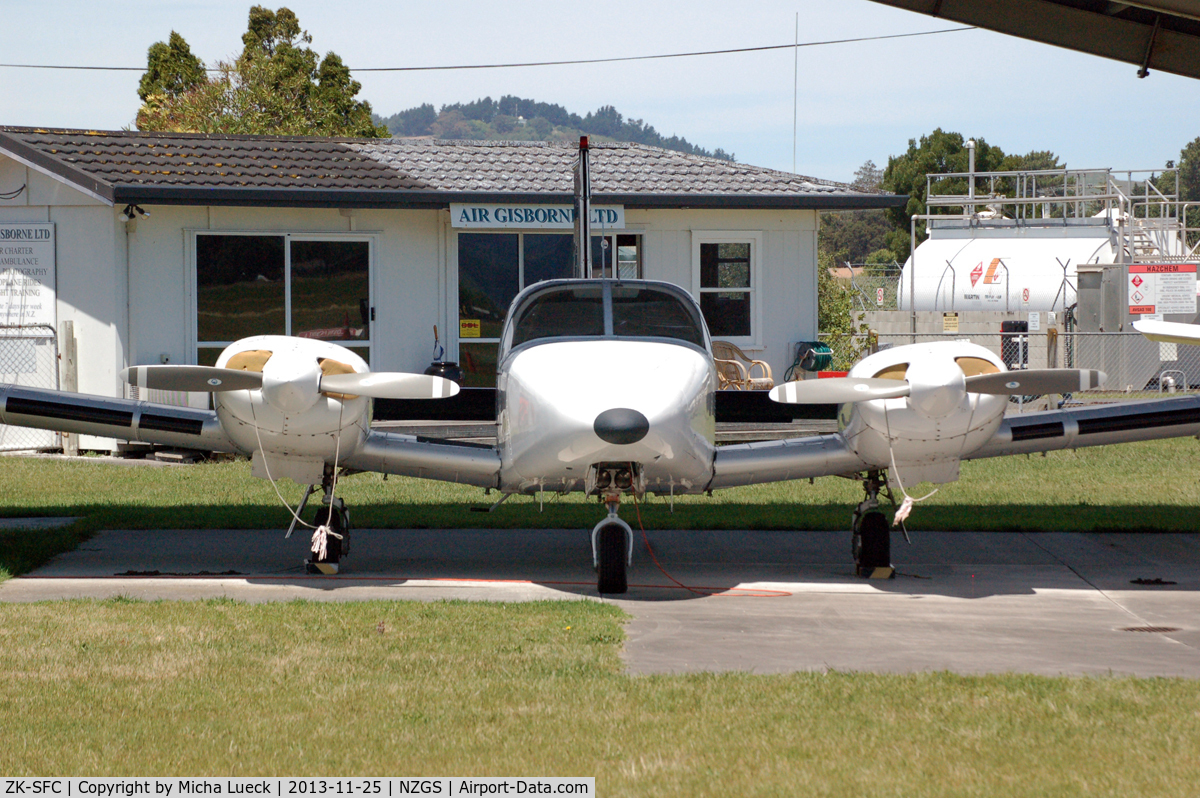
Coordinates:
[289,416]
[939,422]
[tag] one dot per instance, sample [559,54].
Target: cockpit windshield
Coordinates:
[564,313]
[605,308]
[642,312]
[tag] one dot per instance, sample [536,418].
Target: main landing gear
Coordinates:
[871,541]
[331,538]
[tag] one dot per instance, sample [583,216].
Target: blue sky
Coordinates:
[856,101]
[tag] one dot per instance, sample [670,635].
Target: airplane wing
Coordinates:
[126,419]
[413,456]
[1170,332]
[191,428]
[1098,425]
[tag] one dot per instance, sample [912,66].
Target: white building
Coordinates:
[166,247]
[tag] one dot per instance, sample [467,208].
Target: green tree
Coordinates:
[278,85]
[944,152]
[1189,183]
[868,178]
[171,69]
[858,236]
[938,153]
[838,320]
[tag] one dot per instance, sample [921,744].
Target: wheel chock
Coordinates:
[875,571]
[320,568]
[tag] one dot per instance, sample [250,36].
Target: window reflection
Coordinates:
[239,287]
[725,288]
[548,257]
[727,313]
[331,290]
[478,362]
[488,278]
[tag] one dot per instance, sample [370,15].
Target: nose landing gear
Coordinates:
[612,538]
[331,538]
[612,549]
[871,540]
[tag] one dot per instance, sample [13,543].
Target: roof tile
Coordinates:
[130,158]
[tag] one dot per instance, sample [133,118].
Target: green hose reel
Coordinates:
[814,356]
[810,356]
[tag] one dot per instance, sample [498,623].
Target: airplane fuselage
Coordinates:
[553,396]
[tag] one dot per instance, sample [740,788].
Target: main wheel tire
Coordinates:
[873,541]
[612,549]
[335,547]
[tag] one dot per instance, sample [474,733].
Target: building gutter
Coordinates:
[425,199]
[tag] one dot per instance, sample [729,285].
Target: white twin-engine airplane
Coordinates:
[607,387]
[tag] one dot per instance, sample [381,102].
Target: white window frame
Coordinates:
[755,239]
[372,239]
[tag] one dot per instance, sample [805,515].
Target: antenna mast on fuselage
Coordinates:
[583,212]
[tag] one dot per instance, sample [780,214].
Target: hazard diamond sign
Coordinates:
[1162,288]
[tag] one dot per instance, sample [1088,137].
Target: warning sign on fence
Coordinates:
[1162,288]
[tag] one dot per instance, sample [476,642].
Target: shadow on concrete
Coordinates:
[668,565]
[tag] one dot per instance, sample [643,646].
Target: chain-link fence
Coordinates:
[874,287]
[1136,367]
[28,357]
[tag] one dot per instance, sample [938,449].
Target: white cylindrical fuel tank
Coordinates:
[1021,270]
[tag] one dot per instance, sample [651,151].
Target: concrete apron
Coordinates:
[767,602]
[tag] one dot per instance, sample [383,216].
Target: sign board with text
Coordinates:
[27,274]
[1162,288]
[491,216]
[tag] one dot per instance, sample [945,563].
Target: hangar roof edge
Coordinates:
[193,168]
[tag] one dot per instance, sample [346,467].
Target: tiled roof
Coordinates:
[125,166]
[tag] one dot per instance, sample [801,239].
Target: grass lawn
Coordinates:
[398,688]
[1152,486]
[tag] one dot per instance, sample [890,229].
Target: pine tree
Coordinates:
[277,85]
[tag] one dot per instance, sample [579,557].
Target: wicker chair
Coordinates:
[737,371]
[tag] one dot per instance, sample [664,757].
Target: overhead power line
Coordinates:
[550,63]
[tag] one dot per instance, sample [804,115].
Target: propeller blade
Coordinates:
[1035,382]
[1168,332]
[390,385]
[202,379]
[837,390]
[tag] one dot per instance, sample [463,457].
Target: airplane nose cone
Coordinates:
[621,425]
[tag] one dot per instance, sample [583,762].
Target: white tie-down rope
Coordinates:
[906,506]
[320,537]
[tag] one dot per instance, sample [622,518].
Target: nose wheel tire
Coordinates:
[338,519]
[872,545]
[611,551]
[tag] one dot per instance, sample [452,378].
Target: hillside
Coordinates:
[516,119]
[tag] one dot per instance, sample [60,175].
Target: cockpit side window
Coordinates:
[562,313]
[650,313]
